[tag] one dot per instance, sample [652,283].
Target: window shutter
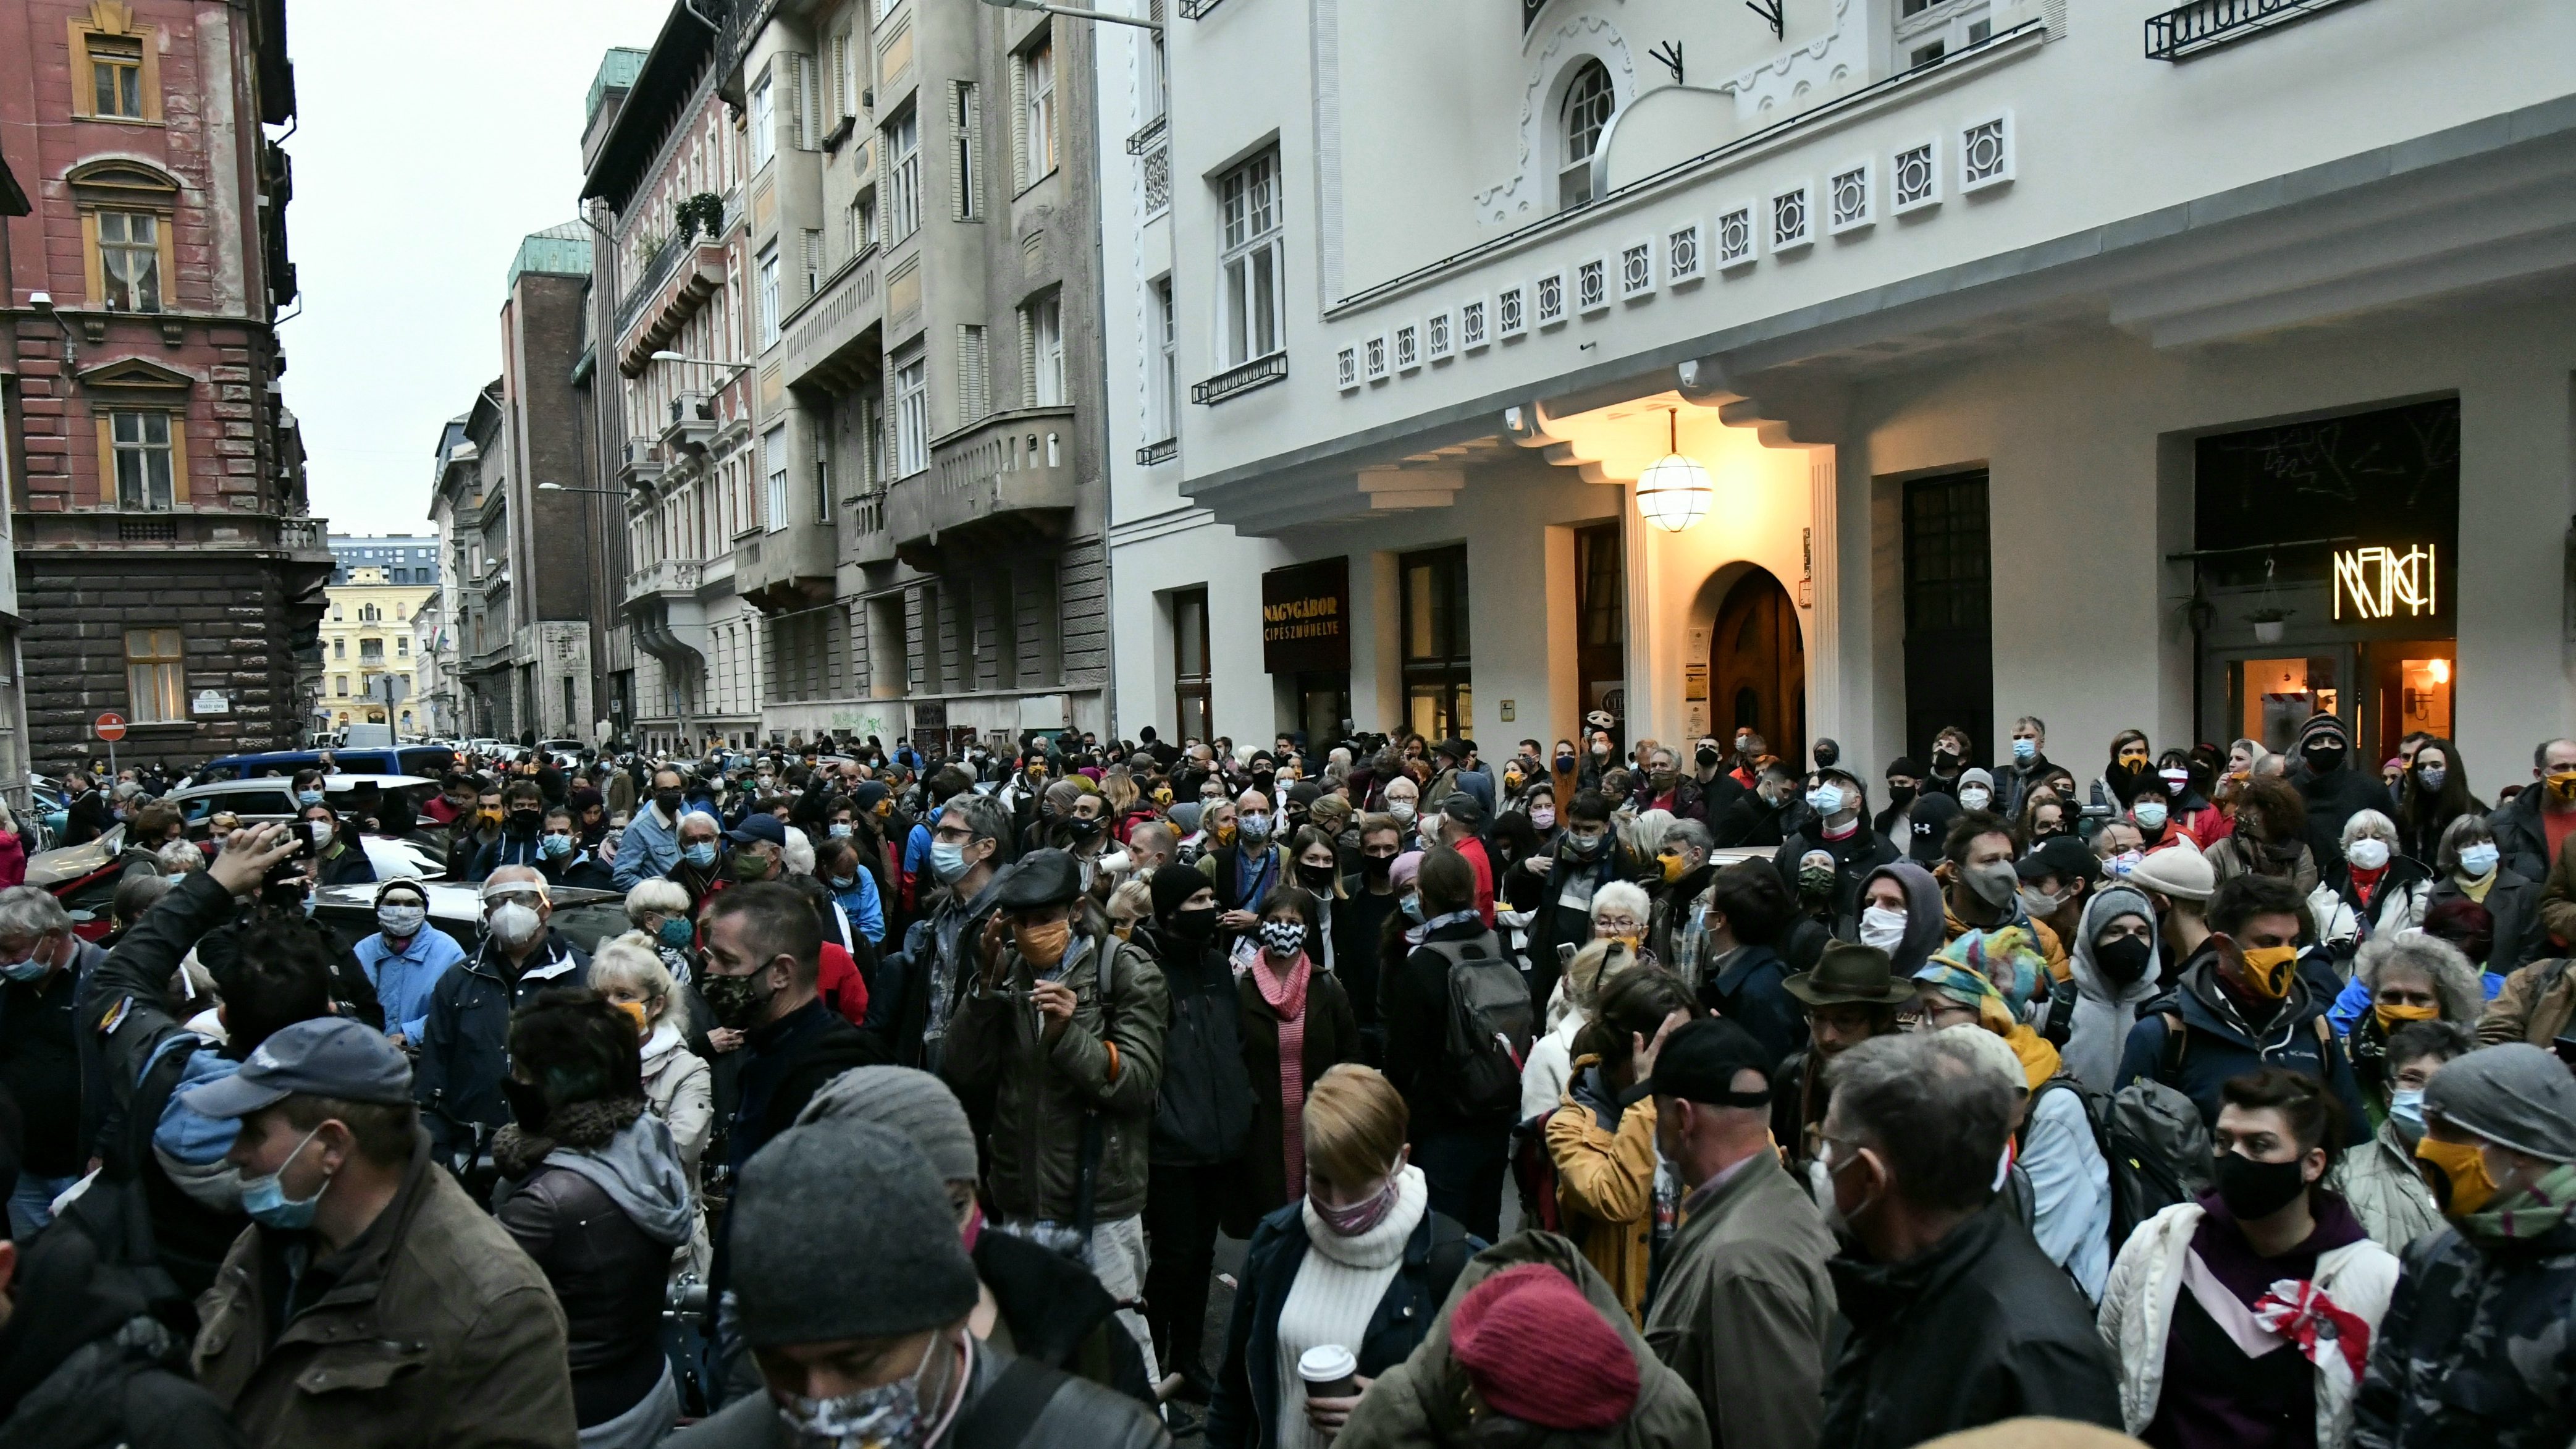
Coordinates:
[1028,359]
[803,72]
[1019,122]
[974,376]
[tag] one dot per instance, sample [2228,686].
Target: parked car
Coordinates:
[84,879]
[583,916]
[422,760]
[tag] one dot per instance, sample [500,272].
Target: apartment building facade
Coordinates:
[1850,371]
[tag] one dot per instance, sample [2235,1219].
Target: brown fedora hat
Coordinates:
[1849,974]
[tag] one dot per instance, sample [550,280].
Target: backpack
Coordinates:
[1490,1028]
[2154,1140]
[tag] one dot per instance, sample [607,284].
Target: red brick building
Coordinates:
[166,567]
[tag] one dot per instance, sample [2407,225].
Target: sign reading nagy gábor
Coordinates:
[1305,617]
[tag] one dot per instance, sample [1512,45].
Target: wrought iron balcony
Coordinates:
[1259,372]
[2187,30]
[1150,135]
[1198,9]
[1162,452]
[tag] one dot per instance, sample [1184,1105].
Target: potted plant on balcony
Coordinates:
[2268,622]
[700,214]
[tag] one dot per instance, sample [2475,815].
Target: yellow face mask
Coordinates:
[2133,756]
[2270,969]
[2563,786]
[2458,1178]
[1163,797]
[1225,834]
[2394,1016]
[1674,867]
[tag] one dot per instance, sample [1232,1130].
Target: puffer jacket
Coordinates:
[1604,1151]
[2478,1347]
[2138,1312]
[438,1332]
[2385,1190]
[1108,1059]
[1422,1402]
[2536,1005]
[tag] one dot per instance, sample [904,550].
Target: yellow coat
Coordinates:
[1605,1187]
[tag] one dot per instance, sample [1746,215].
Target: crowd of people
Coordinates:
[1614,1092]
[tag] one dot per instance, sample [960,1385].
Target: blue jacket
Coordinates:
[647,849]
[2220,1046]
[1245,1408]
[465,1044]
[404,979]
[865,907]
[506,849]
[1749,991]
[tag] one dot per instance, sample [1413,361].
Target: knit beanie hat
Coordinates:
[1174,884]
[909,1100]
[2515,1095]
[844,1230]
[1538,1350]
[1405,871]
[2178,872]
[2326,726]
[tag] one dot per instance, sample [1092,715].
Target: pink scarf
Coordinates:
[1287,996]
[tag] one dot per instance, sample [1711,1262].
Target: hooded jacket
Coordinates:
[2104,1010]
[1926,918]
[1422,1402]
[1603,1146]
[2222,1045]
[2333,798]
[2478,1346]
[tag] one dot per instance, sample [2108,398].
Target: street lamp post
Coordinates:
[1077,13]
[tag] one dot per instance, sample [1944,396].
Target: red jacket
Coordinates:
[841,986]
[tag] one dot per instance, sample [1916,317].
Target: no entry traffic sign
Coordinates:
[110,726]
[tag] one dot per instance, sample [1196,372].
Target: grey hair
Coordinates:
[1691,833]
[180,857]
[630,960]
[2455,981]
[2469,829]
[2370,823]
[667,896]
[1931,1109]
[798,853]
[1622,895]
[984,816]
[712,823]
[27,912]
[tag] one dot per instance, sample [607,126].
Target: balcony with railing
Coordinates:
[1153,143]
[676,280]
[690,423]
[1259,372]
[833,341]
[871,541]
[663,611]
[639,463]
[2187,30]
[1004,482]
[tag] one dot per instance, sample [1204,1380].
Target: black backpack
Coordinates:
[1491,1025]
[2153,1138]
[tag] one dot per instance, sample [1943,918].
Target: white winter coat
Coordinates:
[2138,1309]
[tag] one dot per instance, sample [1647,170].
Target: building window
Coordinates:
[1034,78]
[1927,30]
[813,260]
[1254,245]
[1190,677]
[863,222]
[129,261]
[911,418]
[146,460]
[115,72]
[1438,693]
[1583,117]
[764,121]
[340,685]
[116,77]
[1043,324]
[768,274]
[773,457]
[903,177]
[372,651]
[1163,399]
[339,647]
[402,648]
[1949,609]
[966,134]
[156,676]
[822,487]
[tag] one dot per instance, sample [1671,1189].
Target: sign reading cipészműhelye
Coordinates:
[1305,617]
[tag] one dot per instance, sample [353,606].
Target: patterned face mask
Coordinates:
[889,1416]
[1284,938]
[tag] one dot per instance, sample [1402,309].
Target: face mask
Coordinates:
[1044,946]
[514,925]
[1827,755]
[843,884]
[1376,867]
[1284,938]
[2125,862]
[840,830]
[1402,810]
[736,1001]
[668,802]
[1223,834]
[2459,1178]
[1543,817]
[2257,1189]
[1882,928]
[1900,796]
[400,921]
[2406,1109]
[2175,779]
[1358,1218]
[2477,860]
[2367,853]
[320,831]
[2039,903]
[31,969]
[678,933]
[1975,797]
[1316,877]
[1996,882]
[888,1416]
[1162,797]
[1195,925]
[1838,1221]
[1815,881]
[555,847]
[750,864]
[2323,759]
[2124,959]
[2024,750]
[2150,814]
[1413,908]
[1707,757]
[525,822]
[2562,786]
[1674,867]
[2270,969]
[1825,800]
[2396,1014]
[948,862]
[308,797]
[1583,847]
[1600,750]
[1565,762]
[265,1199]
[701,854]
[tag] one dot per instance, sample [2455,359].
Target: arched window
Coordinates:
[1584,116]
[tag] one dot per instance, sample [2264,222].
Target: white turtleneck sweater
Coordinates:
[1336,1292]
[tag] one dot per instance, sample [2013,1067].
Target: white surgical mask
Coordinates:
[2150,814]
[2367,853]
[1825,800]
[1882,928]
[400,920]
[1975,797]
[514,923]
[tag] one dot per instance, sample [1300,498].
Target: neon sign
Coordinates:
[2382,583]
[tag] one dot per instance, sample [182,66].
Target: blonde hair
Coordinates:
[666,896]
[1646,832]
[631,960]
[1591,969]
[1118,787]
[1355,1124]
[1134,897]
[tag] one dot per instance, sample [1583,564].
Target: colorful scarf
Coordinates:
[1287,996]
[2008,958]
[2528,1214]
[2039,1060]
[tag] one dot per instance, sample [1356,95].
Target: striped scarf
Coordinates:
[1287,996]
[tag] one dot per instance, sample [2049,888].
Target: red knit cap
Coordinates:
[1538,1350]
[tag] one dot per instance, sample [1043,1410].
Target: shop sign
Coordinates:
[2382,583]
[1305,617]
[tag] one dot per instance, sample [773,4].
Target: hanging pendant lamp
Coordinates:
[1674,491]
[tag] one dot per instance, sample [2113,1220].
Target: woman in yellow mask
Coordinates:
[2410,977]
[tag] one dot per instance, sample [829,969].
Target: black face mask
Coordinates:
[736,1001]
[527,1104]
[525,822]
[1900,796]
[1193,926]
[2257,1189]
[2323,759]
[1317,877]
[1565,762]
[1081,827]
[1826,757]
[669,801]
[1376,867]
[1707,757]
[2124,960]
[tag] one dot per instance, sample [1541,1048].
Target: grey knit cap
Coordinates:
[844,1230]
[2516,1096]
[909,1100]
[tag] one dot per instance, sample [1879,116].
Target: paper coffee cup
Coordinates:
[1329,1370]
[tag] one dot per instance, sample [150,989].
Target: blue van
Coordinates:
[428,761]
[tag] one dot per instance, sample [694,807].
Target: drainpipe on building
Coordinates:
[1108,455]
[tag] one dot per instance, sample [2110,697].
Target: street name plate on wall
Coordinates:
[210,701]
[1305,617]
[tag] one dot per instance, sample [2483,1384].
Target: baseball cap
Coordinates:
[2062,856]
[1699,1061]
[759,825]
[327,1056]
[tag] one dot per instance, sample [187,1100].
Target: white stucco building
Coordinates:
[2127,365]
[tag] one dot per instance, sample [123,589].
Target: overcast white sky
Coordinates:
[432,138]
